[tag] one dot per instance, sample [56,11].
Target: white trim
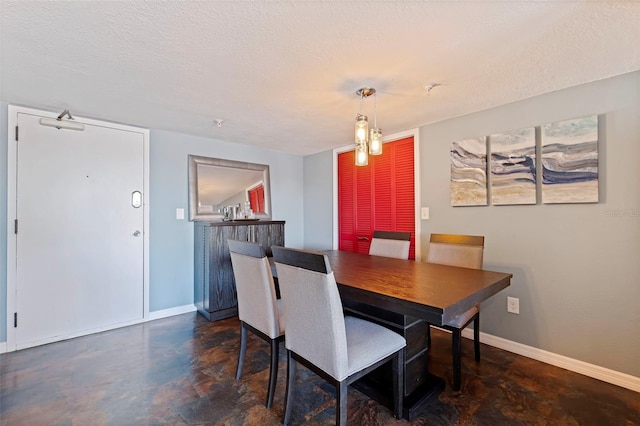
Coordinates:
[595,371]
[12,155]
[416,168]
[164,313]
[81,333]
[12,121]
[145,227]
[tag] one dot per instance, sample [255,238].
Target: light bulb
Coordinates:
[361,129]
[375,142]
[362,156]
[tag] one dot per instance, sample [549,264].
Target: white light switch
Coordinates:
[180,214]
[424,214]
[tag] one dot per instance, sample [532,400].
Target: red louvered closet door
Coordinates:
[256,199]
[378,196]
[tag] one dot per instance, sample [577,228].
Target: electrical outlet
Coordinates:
[513,305]
[424,214]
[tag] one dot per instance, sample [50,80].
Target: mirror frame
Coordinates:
[196,160]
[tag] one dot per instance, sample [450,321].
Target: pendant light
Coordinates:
[362,156]
[367,143]
[362,129]
[375,138]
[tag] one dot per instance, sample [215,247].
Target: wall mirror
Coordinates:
[220,190]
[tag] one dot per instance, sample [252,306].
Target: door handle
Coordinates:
[363,238]
[136,233]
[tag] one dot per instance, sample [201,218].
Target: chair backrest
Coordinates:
[257,303]
[313,309]
[390,244]
[456,250]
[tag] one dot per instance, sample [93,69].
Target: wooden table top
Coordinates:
[430,291]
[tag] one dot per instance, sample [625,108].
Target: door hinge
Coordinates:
[16,133]
[15,319]
[15,226]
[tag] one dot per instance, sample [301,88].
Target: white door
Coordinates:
[79,242]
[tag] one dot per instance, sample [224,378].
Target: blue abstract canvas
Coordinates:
[570,161]
[469,172]
[513,167]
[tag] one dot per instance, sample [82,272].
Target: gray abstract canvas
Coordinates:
[570,161]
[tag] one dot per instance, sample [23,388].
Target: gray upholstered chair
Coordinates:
[340,349]
[390,244]
[258,309]
[465,251]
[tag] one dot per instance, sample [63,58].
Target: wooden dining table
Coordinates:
[407,296]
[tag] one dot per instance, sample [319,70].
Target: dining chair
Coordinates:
[465,251]
[258,309]
[390,244]
[340,349]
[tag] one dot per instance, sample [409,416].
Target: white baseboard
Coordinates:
[164,313]
[150,317]
[606,375]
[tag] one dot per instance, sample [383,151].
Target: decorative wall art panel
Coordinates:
[469,172]
[513,167]
[570,161]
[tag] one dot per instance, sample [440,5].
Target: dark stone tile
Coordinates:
[181,371]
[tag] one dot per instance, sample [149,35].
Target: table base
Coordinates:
[413,404]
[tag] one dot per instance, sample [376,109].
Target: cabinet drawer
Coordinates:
[414,373]
[416,336]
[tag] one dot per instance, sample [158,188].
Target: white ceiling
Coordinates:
[283,74]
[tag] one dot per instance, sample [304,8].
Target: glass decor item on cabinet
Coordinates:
[219,190]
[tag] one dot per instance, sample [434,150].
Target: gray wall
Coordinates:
[575,266]
[171,240]
[318,201]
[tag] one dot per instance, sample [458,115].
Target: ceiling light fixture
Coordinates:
[367,142]
[59,123]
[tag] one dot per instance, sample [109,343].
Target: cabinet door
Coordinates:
[267,235]
[222,291]
[201,283]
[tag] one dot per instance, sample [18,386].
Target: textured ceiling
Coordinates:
[283,74]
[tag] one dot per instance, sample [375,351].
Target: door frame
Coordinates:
[12,162]
[416,179]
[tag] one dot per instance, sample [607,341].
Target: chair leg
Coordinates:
[428,335]
[341,403]
[456,349]
[273,372]
[398,383]
[291,378]
[476,337]
[243,350]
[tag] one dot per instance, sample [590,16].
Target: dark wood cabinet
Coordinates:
[214,283]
